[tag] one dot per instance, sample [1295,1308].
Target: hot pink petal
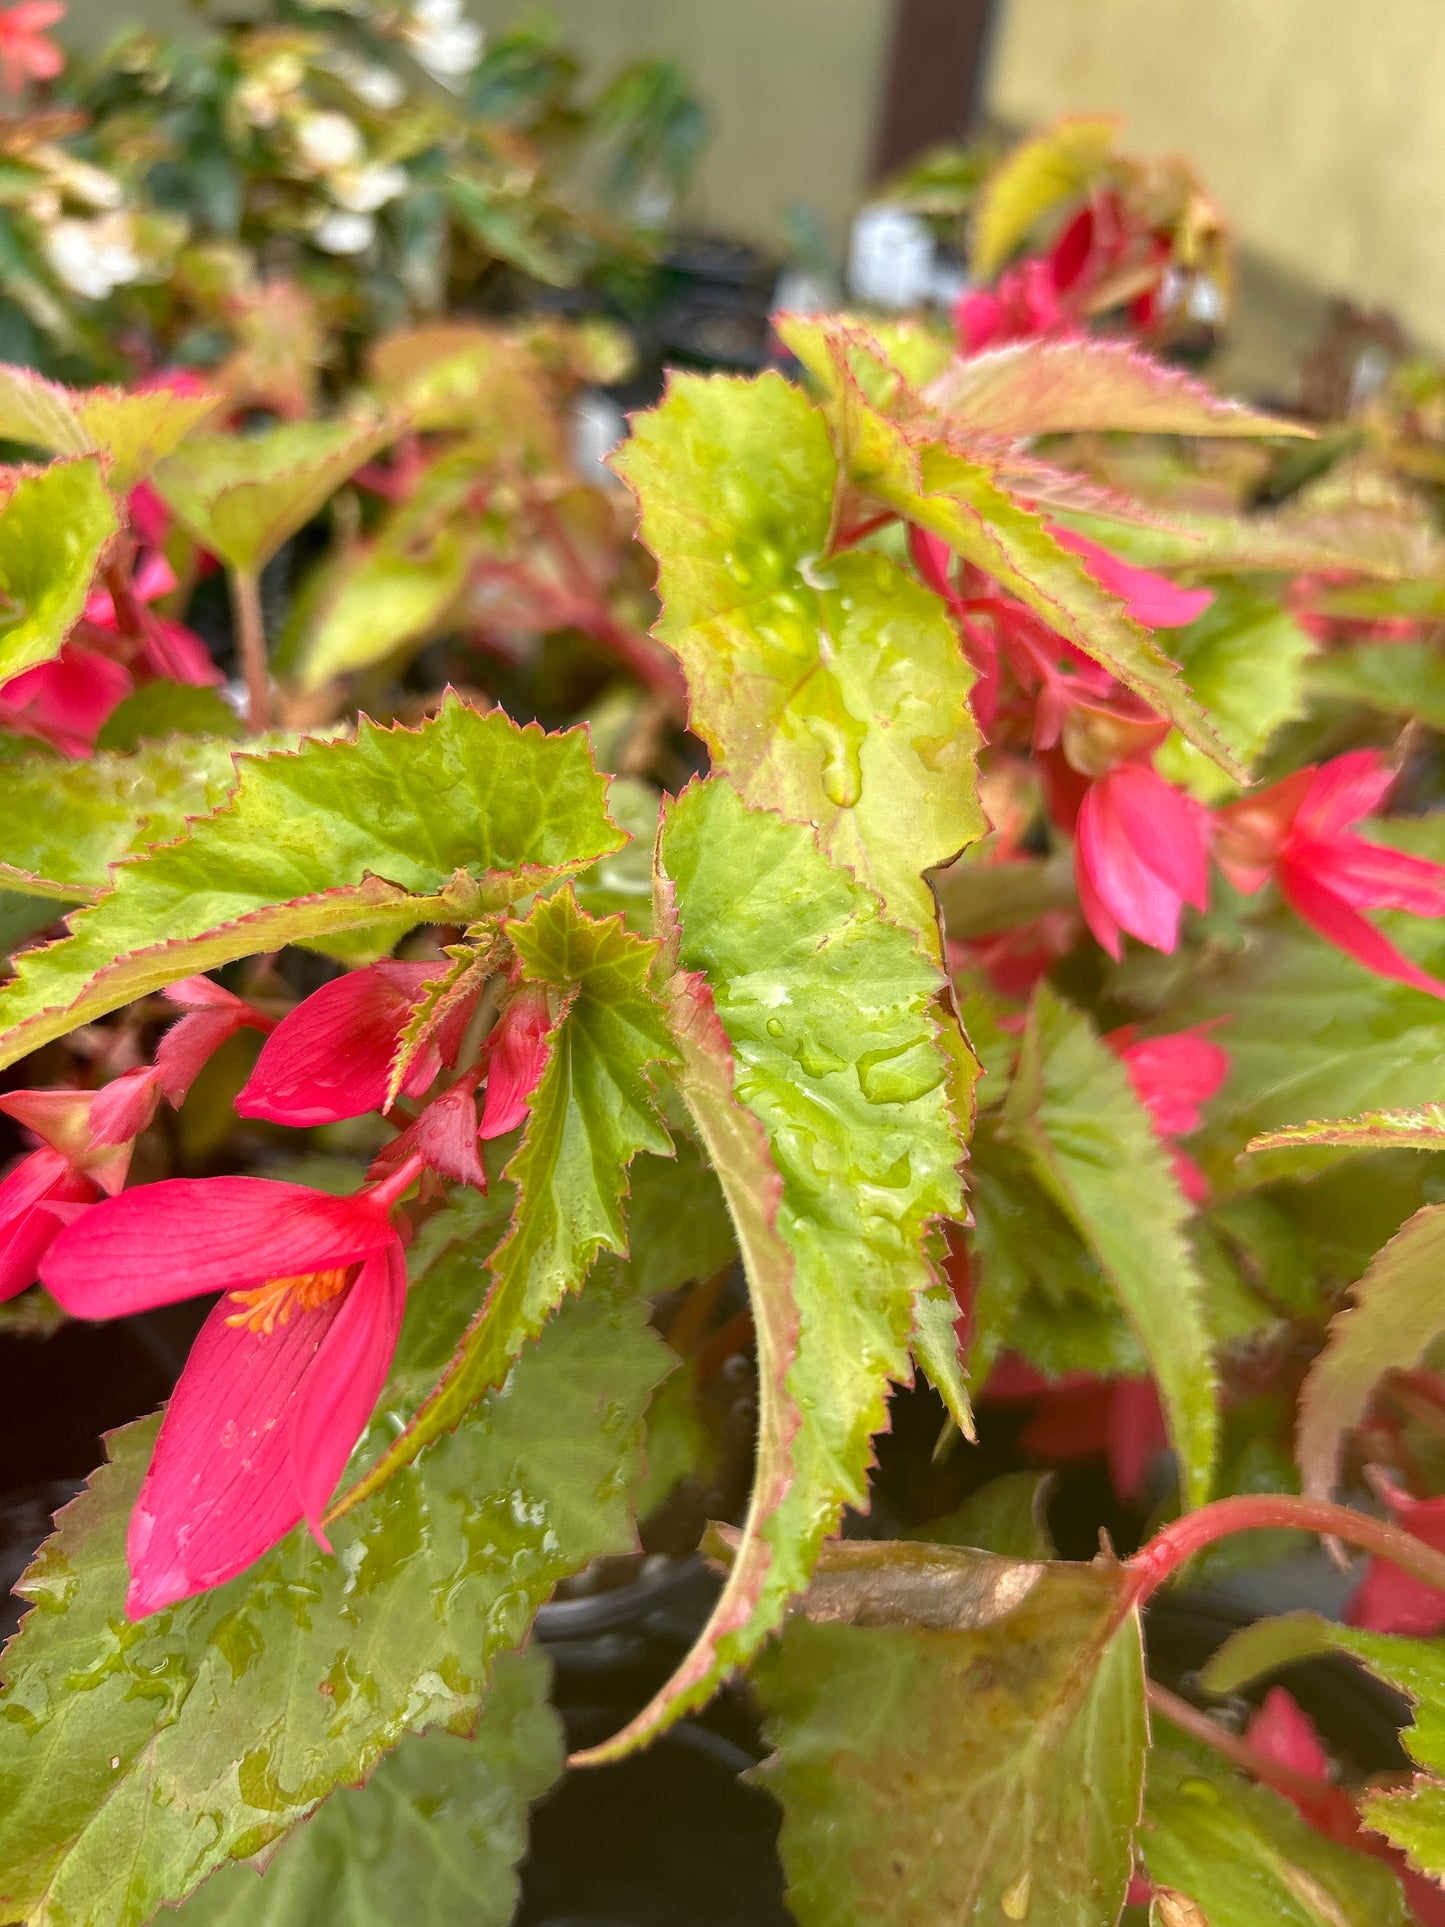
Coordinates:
[221,1488]
[149,516]
[446,1136]
[1371,876]
[213,1015]
[331,1057]
[1339,923]
[518,1052]
[1151,599]
[978,322]
[73,695]
[183,1236]
[1388,1600]
[1142,847]
[1344,791]
[1136,1433]
[177,652]
[933,560]
[27,1226]
[1106,931]
[122,1109]
[1283,1731]
[1174,1076]
[339,1393]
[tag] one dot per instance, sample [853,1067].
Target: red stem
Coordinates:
[845,538]
[1320,1794]
[1172,1548]
[391,1189]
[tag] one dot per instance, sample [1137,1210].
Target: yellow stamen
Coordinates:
[271,1304]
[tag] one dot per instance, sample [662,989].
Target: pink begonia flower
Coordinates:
[284,1374]
[1150,599]
[444,1137]
[1140,854]
[1388,1600]
[25,53]
[66,701]
[168,648]
[1298,831]
[1078,1416]
[1023,305]
[212,1014]
[517,1053]
[331,1057]
[1173,1077]
[86,1140]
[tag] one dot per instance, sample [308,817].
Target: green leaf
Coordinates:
[1072,1111]
[1245,659]
[1396,1315]
[63,824]
[958,1737]
[935,1346]
[133,430]
[1312,1033]
[1417,1130]
[242,495]
[1411,1817]
[1034,179]
[833,691]
[590,1115]
[1396,678]
[1007,1516]
[441,823]
[1284,543]
[374,599]
[1087,384]
[134,1759]
[678,1226]
[961,500]
[1244,1856]
[160,709]
[813,1075]
[54,527]
[434,1837]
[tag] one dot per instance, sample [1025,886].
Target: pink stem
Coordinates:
[391,1189]
[1172,1548]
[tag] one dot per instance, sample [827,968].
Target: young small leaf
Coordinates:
[1085,384]
[831,690]
[1032,180]
[1397,1313]
[134,431]
[1089,1140]
[53,530]
[242,495]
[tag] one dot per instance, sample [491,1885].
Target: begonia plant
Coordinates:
[968,942]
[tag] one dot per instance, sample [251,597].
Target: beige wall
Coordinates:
[1319,124]
[792,85]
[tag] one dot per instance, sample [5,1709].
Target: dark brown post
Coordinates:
[935,73]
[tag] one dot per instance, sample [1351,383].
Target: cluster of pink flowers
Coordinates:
[289,1364]
[1142,847]
[1053,293]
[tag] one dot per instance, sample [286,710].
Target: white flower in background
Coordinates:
[377,87]
[446,43]
[368,188]
[94,257]
[91,186]
[329,141]
[340,231]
